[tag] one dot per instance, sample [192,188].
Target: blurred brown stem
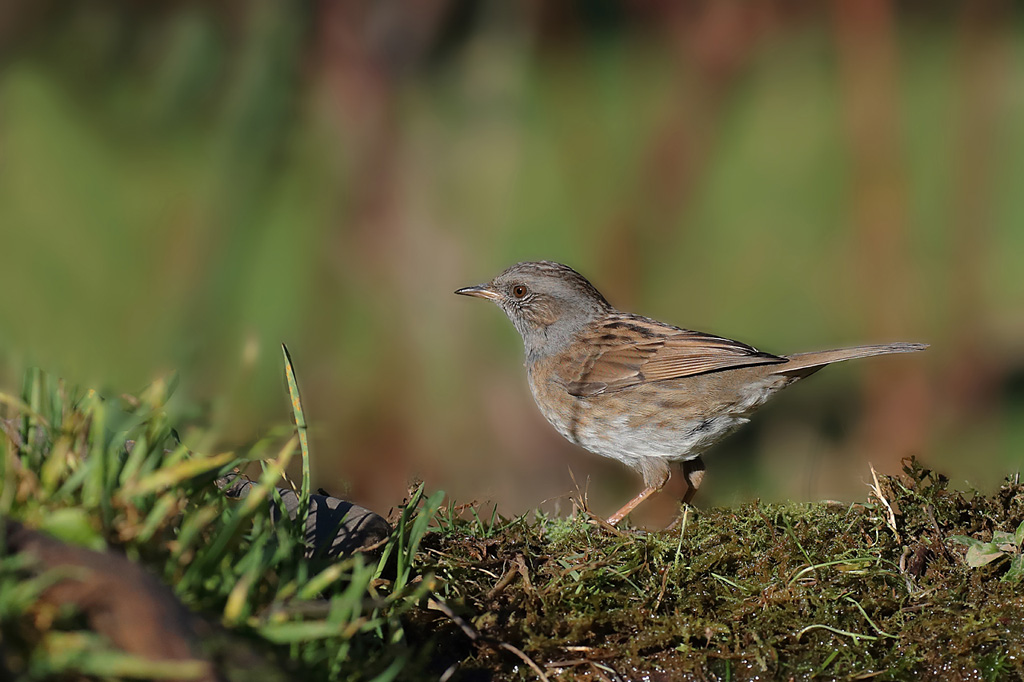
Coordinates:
[894,421]
[983,81]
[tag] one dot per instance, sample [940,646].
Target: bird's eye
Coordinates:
[519,291]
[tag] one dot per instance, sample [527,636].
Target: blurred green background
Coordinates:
[185,185]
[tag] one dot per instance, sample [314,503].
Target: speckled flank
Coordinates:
[652,422]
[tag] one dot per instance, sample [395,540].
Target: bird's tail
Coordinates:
[803,364]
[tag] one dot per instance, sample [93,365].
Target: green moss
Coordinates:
[759,591]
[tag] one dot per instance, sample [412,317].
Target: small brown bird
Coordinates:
[634,389]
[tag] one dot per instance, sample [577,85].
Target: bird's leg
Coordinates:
[656,476]
[614,519]
[693,472]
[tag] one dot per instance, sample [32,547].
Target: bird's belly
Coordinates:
[630,440]
[663,421]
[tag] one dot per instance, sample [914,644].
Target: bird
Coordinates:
[630,388]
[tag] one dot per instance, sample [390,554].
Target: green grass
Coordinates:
[771,591]
[66,470]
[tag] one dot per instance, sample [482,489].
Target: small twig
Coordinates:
[489,574]
[526,659]
[505,581]
[571,663]
[908,580]
[596,669]
[580,500]
[435,603]
[930,510]
[449,673]
[371,548]
[474,636]
[520,563]
[890,515]
[664,588]
[459,508]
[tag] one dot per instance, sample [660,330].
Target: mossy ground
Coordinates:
[873,590]
[755,592]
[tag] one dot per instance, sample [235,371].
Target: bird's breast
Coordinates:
[563,411]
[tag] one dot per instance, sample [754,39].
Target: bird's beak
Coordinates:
[480,291]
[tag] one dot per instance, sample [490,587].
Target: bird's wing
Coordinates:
[627,351]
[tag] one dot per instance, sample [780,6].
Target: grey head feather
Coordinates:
[557,304]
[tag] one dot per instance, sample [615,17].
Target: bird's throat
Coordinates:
[552,339]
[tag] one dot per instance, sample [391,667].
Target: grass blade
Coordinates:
[300,427]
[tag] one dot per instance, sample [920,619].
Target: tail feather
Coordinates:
[803,364]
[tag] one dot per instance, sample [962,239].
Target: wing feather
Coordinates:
[629,350]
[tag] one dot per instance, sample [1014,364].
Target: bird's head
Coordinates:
[547,302]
